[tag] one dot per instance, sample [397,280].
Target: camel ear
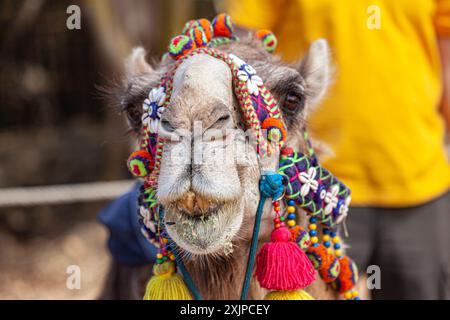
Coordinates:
[136,65]
[316,70]
[139,78]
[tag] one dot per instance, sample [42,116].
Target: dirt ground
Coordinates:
[36,268]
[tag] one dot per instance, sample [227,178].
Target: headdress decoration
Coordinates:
[287,263]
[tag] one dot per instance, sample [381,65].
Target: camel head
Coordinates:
[208,181]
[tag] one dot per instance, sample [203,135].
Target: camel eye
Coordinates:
[293,102]
[167,126]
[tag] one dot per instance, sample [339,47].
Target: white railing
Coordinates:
[61,194]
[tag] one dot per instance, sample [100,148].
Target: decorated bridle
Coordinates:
[288,263]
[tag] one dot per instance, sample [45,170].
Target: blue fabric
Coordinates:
[126,243]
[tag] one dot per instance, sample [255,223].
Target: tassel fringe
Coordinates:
[289,295]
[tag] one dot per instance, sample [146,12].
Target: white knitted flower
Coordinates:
[146,219]
[308,181]
[153,108]
[331,199]
[247,74]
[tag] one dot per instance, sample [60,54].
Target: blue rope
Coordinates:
[186,276]
[252,253]
[180,264]
[270,186]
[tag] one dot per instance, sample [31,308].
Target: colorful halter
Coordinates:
[286,264]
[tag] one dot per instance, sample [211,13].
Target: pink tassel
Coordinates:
[282,265]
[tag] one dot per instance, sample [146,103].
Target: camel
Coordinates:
[213,203]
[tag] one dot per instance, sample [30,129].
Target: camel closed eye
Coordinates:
[220,122]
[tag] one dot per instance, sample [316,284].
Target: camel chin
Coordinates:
[210,234]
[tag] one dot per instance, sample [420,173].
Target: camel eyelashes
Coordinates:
[223,118]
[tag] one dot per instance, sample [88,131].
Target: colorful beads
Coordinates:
[167,267]
[222,26]
[268,39]
[351,295]
[140,163]
[180,45]
[291,223]
[291,215]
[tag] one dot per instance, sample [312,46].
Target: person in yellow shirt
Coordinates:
[385,120]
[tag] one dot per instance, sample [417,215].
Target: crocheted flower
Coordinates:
[153,108]
[308,181]
[247,74]
[331,199]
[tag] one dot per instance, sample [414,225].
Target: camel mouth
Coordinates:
[205,233]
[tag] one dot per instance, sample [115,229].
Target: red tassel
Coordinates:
[282,265]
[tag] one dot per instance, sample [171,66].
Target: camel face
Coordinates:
[208,182]
[199,183]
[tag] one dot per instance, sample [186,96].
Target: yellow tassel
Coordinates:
[288,295]
[166,284]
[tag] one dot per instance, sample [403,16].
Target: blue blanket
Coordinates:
[126,243]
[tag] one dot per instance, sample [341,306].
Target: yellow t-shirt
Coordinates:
[381,116]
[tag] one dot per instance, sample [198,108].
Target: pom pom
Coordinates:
[207,28]
[140,163]
[268,39]
[317,254]
[288,295]
[276,131]
[187,27]
[202,24]
[180,45]
[282,265]
[198,35]
[330,269]
[348,276]
[287,152]
[301,237]
[222,26]
[166,284]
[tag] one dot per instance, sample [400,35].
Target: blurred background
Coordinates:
[56,129]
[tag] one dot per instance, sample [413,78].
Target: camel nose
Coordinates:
[196,205]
